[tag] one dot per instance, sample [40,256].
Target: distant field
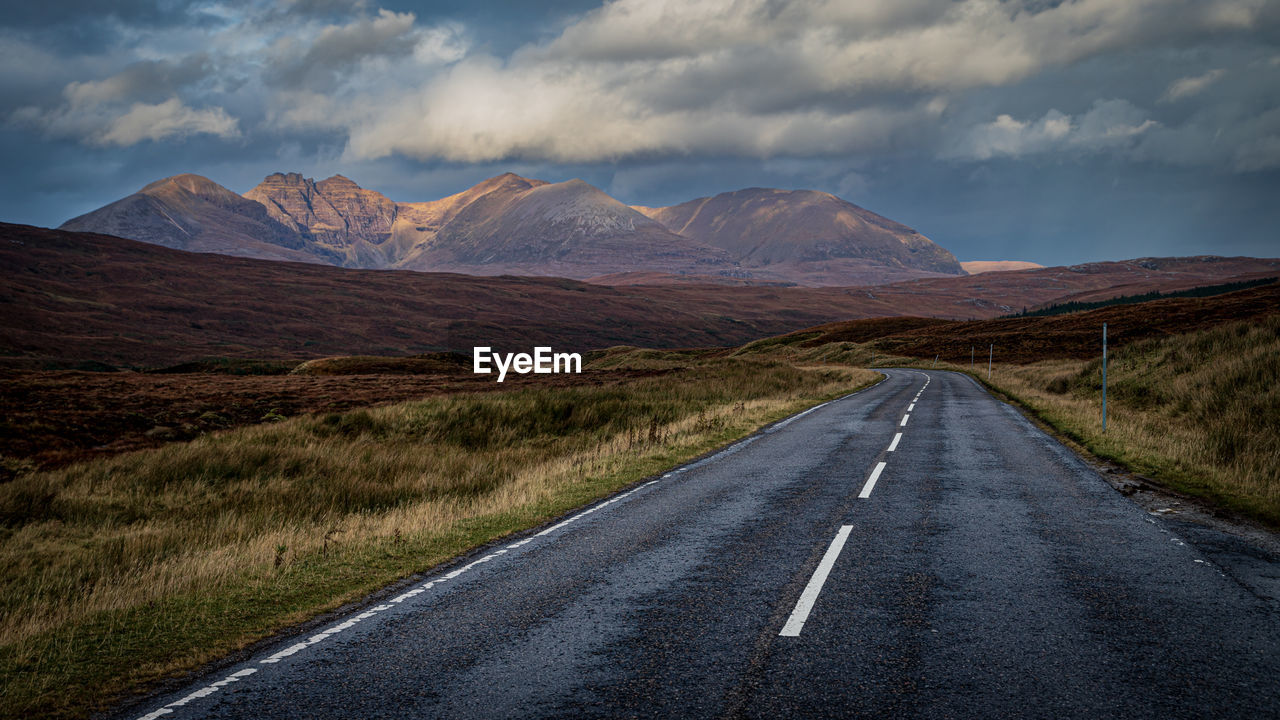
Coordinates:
[53,418]
[123,570]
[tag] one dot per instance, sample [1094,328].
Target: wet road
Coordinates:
[917,549]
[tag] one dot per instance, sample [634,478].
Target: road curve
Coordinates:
[984,571]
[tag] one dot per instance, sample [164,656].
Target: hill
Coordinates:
[71,298]
[569,229]
[1032,339]
[189,212]
[806,236]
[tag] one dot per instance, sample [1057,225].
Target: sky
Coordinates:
[1055,131]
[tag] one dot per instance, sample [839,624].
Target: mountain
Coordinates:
[805,236]
[341,220]
[76,297]
[569,229]
[514,225]
[190,212]
[977,267]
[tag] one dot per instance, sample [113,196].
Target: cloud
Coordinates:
[319,60]
[760,78]
[106,113]
[1188,86]
[646,79]
[148,79]
[1108,125]
[169,119]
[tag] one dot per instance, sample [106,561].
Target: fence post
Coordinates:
[991,351]
[1104,377]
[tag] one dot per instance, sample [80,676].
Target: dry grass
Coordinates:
[120,571]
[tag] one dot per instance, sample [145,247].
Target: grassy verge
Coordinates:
[118,572]
[1196,412]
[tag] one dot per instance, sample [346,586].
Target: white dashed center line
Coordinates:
[894,445]
[810,595]
[871,481]
[904,421]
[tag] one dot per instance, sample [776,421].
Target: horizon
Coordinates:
[1056,133]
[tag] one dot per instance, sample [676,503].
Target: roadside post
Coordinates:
[991,351]
[1104,377]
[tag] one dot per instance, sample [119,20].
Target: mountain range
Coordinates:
[72,297]
[511,225]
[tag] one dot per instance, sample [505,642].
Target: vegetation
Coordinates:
[1196,411]
[1196,292]
[119,571]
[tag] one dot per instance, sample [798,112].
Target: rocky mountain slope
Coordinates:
[810,237]
[189,212]
[514,225]
[569,229]
[341,220]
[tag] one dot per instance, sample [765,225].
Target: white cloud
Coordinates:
[1188,86]
[1108,125]
[162,121]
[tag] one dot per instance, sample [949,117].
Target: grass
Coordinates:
[1196,412]
[118,572]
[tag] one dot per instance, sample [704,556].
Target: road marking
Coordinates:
[911,407]
[810,595]
[894,445]
[904,421]
[871,481]
[205,691]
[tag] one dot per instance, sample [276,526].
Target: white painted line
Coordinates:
[871,481]
[894,445]
[911,407]
[205,691]
[810,595]
[904,421]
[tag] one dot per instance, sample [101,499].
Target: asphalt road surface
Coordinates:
[918,549]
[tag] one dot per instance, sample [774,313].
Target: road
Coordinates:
[985,571]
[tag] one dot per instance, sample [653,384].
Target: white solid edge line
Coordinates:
[894,445]
[810,595]
[904,420]
[871,481]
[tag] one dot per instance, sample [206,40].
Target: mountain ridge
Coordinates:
[509,224]
[74,297]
